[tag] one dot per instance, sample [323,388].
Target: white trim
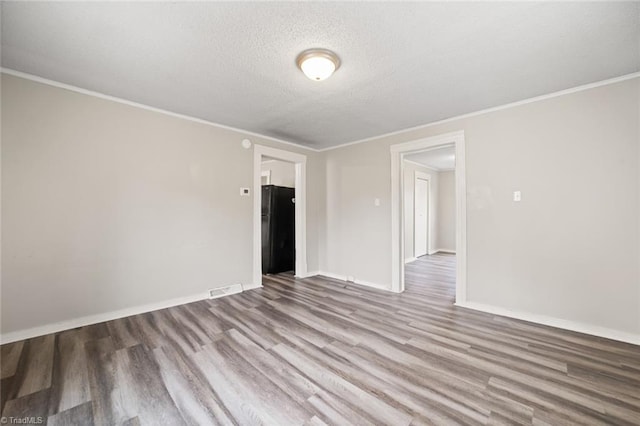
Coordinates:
[251,286]
[397,207]
[445,251]
[593,330]
[310,274]
[435,169]
[72,88]
[76,89]
[377,286]
[332,275]
[409,260]
[492,109]
[98,318]
[56,327]
[300,161]
[415,163]
[54,83]
[461,219]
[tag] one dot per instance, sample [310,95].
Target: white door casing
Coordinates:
[398,153]
[300,162]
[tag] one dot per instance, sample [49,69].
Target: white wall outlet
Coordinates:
[351,279]
[517,196]
[245,192]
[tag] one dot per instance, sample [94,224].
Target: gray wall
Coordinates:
[283,173]
[107,206]
[447,211]
[569,250]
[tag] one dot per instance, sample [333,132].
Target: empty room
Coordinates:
[320,213]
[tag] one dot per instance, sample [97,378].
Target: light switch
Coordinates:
[245,192]
[517,195]
[376,202]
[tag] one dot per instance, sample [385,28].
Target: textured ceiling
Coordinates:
[439,159]
[403,64]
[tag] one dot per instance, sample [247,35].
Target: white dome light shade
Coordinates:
[318,64]
[318,68]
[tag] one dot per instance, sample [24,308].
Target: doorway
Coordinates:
[399,154]
[278,216]
[299,161]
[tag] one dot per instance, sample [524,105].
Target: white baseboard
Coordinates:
[593,330]
[57,327]
[374,285]
[357,281]
[411,259]
[446,251]
[308,274]
[251,286]
[332,275]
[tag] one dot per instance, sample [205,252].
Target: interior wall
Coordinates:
[107,206]
[568,250]
[447,211]
[409,203]
[283,173]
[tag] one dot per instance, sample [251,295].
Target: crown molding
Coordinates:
[80,90]
[435,169]
[492,109]
[76,89]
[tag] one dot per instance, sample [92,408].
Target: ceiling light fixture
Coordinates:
[318,64]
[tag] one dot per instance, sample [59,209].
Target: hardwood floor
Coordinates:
[317,351]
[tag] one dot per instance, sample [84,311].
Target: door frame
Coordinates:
[300,163]
[418,175]
[398,153]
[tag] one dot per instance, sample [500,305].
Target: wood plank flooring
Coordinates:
[317,351]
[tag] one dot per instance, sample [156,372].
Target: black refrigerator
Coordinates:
[278,229]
